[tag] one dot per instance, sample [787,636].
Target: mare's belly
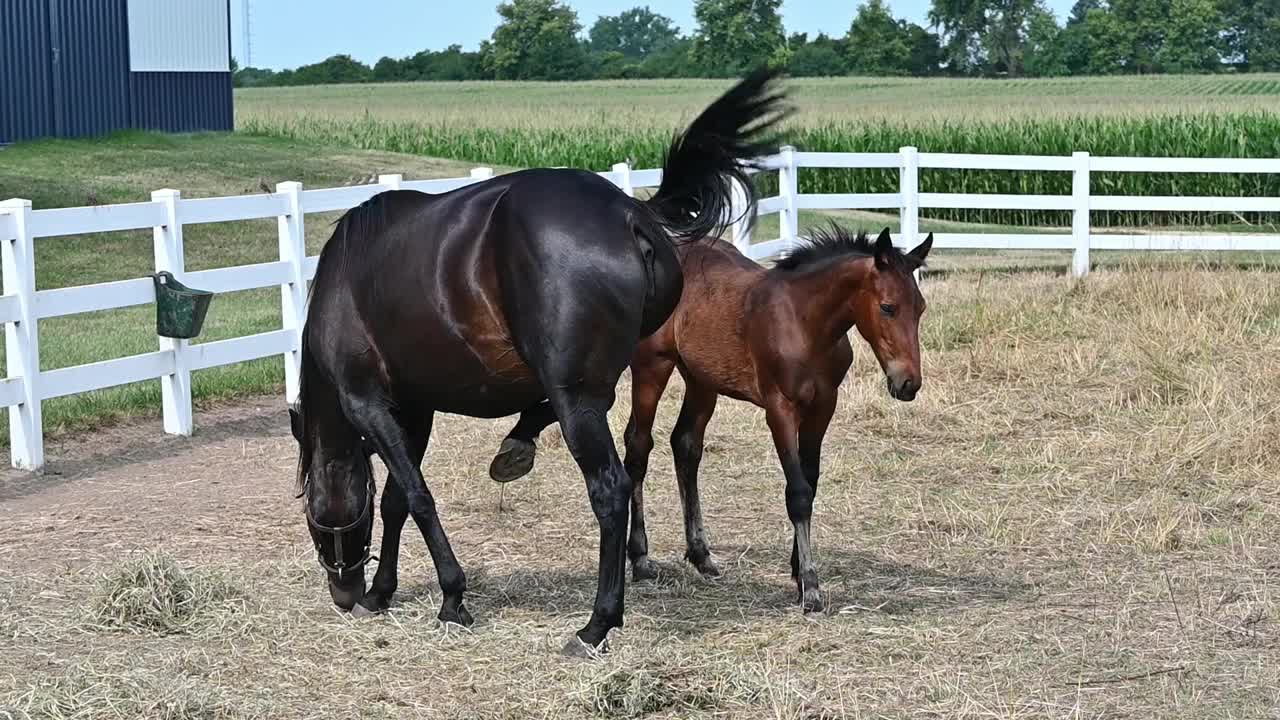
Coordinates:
[485,400]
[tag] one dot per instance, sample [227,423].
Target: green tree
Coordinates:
[636,33]
[1152,36]
[735,36]
[389,69]
[676,61]
[1253,33]
[1074,40]
[335,69]
[877,43]
[926,51]
[1191,39]
[1110,43]
[536,40]
[983,35]
[821,57]
[1045,52]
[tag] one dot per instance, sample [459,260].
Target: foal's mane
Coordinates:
[834,242]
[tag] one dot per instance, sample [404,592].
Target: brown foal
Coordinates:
[777,338]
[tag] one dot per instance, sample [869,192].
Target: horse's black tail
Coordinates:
[703,162]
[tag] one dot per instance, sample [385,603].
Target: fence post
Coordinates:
[788,188]
[482,173]
[22,341]
[740,212]
[909,189]
[1080,215]
[391,181]
[175,389]
[293,294]
[624,171]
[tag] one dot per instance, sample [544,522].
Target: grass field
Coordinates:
[596,124]
[126,168]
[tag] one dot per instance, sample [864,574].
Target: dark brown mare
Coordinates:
[776,338]
[486,301]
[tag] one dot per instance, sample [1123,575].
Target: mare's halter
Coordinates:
[339,566]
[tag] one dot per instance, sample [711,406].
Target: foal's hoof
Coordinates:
[811,601]
[576,648]
[513,461]
[644,569]
[455,613]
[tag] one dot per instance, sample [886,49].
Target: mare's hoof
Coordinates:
[644,569]
[576,648]
[513,461]
[811,601]
[360,611]
[456,614]
[373,603]
[708,568]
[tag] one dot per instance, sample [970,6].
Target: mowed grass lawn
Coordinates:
[126,168]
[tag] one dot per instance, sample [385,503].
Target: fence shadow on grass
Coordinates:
[81,455]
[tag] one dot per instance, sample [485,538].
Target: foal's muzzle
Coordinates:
[905,390]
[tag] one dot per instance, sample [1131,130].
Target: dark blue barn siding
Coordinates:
[181,101]
[91,66]
[64,71]
[26,107]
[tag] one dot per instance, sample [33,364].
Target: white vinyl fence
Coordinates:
[22,306]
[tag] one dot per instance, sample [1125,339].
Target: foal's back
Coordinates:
[707,335]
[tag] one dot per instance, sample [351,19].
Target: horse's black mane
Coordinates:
[834,241]
[352,231]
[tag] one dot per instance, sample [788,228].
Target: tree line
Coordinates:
[543,40]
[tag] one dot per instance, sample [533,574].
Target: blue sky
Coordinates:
[288,33]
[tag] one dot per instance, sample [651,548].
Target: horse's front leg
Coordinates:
[784,423]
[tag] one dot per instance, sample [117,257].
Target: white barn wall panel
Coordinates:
[179,36]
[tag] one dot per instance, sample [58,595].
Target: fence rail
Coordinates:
[25,386]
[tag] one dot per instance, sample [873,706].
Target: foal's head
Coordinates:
[887,309]
[336,478]
[885,306]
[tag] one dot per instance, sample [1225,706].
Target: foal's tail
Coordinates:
[702,164]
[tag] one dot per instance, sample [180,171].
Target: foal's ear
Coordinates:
[884,249]
[921,251]
[295,423]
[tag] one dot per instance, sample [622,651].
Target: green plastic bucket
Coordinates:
[180,310]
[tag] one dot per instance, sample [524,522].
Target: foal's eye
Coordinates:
[889,310]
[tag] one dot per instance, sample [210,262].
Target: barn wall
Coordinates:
[65,68]
[25,70]
[187,36]
[90,67]
[181,101]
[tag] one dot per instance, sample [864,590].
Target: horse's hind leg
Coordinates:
[686,448]
[515,456]
[584,422]
[649,376]
[393,441]
[395,510]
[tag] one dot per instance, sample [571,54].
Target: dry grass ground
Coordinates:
[1076,519]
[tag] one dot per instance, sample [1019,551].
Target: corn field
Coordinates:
[593,125]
